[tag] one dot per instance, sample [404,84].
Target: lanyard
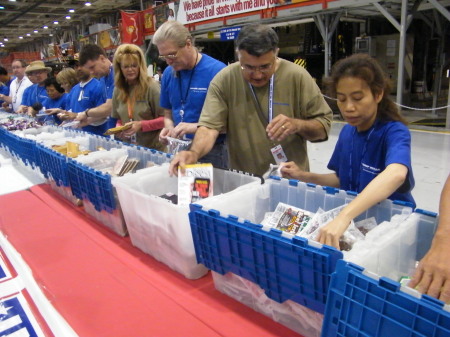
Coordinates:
[183,99]
[355,187]
[20,83]
[270,103]
[130,106]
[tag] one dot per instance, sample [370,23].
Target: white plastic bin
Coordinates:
[161,228]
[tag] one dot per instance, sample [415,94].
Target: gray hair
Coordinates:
[173,31]
[257,39]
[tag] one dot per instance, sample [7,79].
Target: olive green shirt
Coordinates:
[145,108]
[231,107]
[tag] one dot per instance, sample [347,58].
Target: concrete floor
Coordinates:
[430,160]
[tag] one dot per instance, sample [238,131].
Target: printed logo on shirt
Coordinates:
[370,169]
[199,90]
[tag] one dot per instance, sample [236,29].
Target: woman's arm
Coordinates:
[290,170]
[379,189]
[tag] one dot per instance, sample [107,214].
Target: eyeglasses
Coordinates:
[264,69]
[129,66]
[169,56]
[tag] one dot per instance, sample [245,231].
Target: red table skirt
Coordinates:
[103,286]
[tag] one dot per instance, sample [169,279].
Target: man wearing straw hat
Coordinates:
[37,93]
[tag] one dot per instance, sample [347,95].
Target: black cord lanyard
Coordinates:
[183,100]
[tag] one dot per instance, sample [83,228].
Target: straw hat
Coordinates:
[37,65]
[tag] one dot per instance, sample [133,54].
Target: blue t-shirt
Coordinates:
[26,95]
[189,86]
[87,96]
[60,103]
[108,84]
[34,94]
[4,90]
[360,156]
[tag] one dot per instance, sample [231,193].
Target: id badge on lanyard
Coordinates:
[277,150]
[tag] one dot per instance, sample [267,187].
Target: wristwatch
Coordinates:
[86,112]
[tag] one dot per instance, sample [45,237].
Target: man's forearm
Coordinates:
[101,111]
[204,141]
[311,129]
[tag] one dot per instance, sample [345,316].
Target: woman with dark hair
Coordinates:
[57,98]
[373,152]
[135,100]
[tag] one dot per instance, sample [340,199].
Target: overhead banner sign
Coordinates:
[190,11]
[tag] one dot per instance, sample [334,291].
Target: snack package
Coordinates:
[117,129]
[195,183]
[290,219]
[176,145]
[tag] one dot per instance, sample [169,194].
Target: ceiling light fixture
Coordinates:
[71,10]
[5,39]
[35,31]
[87,4]
[45,27]
[68,17]
[1,7]
[20,37]
[55,22]
[28,34]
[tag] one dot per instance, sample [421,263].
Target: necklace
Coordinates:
[183,98]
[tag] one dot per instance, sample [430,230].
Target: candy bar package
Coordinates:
[176,145]
[195,183]
[290,219]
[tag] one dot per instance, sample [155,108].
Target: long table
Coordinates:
[103,286]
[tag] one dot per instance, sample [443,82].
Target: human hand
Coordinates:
[182,159]
[81,117]
[290,170]
[136,126]
[280,127]
[54,111]
[432,276]
[165,132]
[182,129]
[332,231]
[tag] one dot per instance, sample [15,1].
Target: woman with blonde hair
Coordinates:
[136,98]
[67,78]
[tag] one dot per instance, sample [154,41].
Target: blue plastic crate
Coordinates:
[94,185]
[285,267]
[53,165]
[360,304]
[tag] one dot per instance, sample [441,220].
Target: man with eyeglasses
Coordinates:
[184,86]
[17,87]
[269,108]
[37,93]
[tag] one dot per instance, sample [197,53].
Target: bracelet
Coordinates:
[86,112]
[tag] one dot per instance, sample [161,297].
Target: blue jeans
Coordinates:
[218,156]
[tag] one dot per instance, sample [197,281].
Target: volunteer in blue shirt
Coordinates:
[94,59]
[37,93]
[57,98]
[184,86]
[5,82]
[84,96]
[373,152]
